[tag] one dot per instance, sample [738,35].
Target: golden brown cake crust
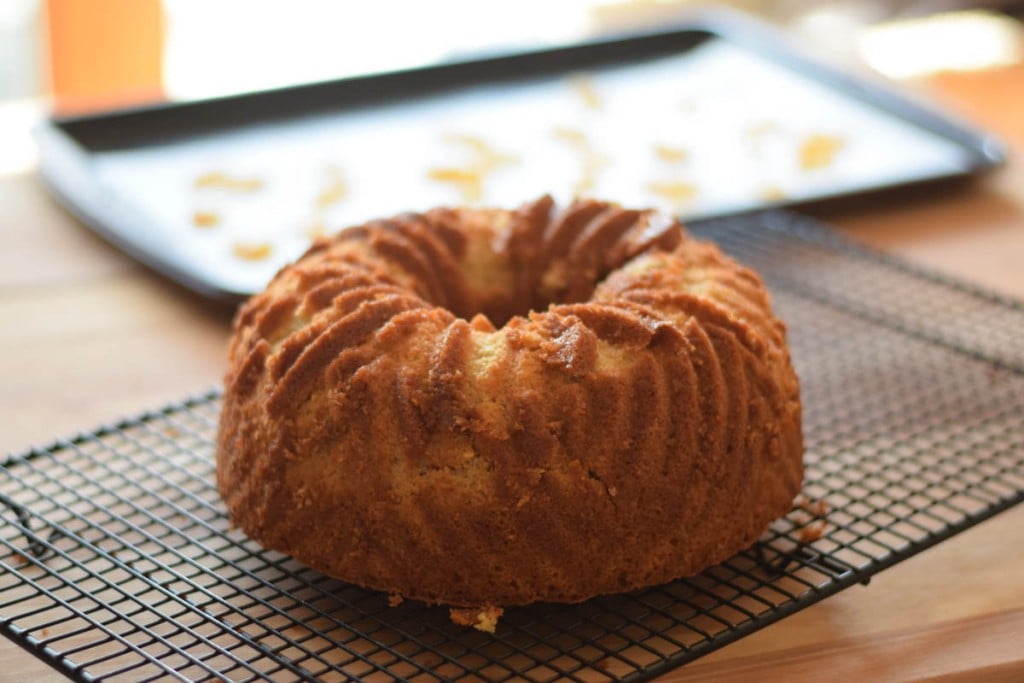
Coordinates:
[490,407]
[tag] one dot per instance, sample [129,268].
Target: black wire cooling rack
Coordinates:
[119,562]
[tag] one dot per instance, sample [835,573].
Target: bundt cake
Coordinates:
[486,408]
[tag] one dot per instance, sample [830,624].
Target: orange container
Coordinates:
[104,53]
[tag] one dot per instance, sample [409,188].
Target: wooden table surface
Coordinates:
[86,336]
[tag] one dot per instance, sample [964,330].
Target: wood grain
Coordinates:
[974,648]
[86,335]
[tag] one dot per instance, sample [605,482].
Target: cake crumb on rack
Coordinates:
[812,532]
[481,618]
[818,507]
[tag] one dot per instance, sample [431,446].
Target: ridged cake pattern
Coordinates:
[489,407]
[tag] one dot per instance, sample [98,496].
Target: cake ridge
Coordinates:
[407,407]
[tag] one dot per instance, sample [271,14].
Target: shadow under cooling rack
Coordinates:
[119,562]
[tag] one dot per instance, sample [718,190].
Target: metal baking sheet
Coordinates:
[716,117]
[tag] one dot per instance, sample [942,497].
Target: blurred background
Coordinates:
[82,55]
[89,53]
[95,52]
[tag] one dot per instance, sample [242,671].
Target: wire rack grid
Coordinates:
[119,563]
